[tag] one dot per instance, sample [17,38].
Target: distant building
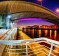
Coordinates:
[43,26]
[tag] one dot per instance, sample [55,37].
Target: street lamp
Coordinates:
[57,10]
[40,1]
[9,16]
[8,21]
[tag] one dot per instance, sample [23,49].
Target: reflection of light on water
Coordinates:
[29,31]
[39,33]
[46,32]
[50,34]
[25,30]
[55,34]
[32,32]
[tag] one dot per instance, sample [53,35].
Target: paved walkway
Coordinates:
[2,46]
[37,49]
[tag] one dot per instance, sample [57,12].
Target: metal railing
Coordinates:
[32,47]
[9,35]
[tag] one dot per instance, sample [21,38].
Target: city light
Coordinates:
[57,10]
[40,1]
[8,23]
[9,16]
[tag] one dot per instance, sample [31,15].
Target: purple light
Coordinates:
[32,21]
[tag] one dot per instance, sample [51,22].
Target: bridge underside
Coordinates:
[33,14]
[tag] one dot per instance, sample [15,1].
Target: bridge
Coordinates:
[22,9]
[19,10]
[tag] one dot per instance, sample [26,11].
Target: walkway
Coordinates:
[38,49]
[2,46]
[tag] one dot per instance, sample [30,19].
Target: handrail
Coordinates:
[9,33]
[48,40]
[16,42]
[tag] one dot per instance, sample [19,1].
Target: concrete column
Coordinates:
[7,22]
[0,21]
[4,21]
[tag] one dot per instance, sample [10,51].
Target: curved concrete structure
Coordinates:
[22,9]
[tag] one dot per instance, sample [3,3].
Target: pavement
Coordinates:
[38,49]
[2,46]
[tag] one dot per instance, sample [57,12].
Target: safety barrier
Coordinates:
[31,47]
[9,35]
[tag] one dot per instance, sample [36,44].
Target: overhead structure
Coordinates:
[22,9]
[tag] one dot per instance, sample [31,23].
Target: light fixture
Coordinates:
[9,16]
[57,10]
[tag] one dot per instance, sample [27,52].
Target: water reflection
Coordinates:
[32,33]
[37,33]
[46,33]
[50,34]
[55,34]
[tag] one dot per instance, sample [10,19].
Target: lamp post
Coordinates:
[40,1]
[8,21]
[57,10]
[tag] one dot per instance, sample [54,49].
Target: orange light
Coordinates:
[39,0]
[57,10]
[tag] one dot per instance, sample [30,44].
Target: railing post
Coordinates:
[9,49]
[8,35]
[51,49]
[11,46]
[26,48]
